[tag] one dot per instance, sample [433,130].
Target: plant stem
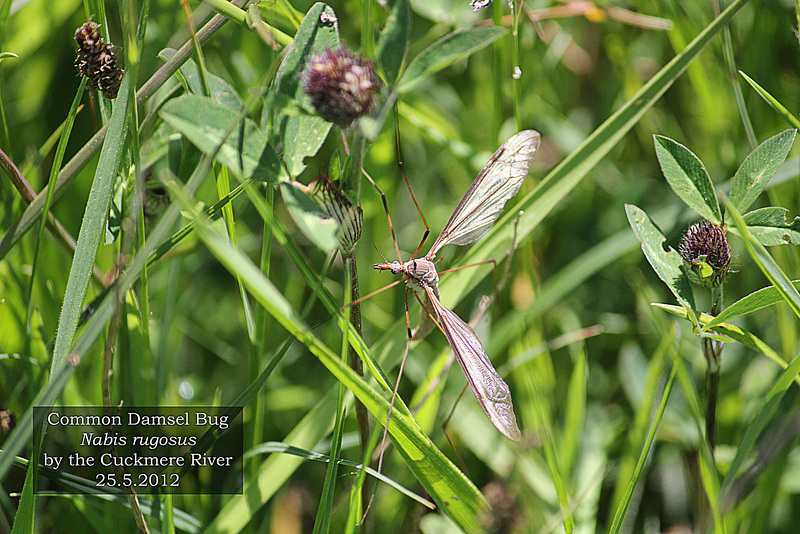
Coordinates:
[362,416]
[351,186]
[712,350]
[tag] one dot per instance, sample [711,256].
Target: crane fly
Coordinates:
[499,180]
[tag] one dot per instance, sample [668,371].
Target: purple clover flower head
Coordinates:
[342,86]
[706,253]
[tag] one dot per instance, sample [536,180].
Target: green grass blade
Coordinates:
[758,300]
[92,229]
[325,509]
[24,520]
[765,262]
[647,446]
[575,415]
[57,160]
[276,470]
[772,101]
[322,523]
[394,39]
[273,446]
[638,433]
[446,51]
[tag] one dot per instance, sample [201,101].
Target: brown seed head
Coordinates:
[97,60]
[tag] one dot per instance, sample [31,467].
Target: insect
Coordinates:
[499,180]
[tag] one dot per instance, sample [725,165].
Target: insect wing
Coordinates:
[426,324]
[492,392]
[497,182]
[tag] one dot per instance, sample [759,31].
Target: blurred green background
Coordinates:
[579,64]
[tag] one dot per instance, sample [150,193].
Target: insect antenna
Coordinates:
[401,166]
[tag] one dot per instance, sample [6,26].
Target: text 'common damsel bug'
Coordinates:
[499,180]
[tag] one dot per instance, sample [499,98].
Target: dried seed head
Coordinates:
[341,85]
[88,37]
[97,60]
[706,253]
[339,207]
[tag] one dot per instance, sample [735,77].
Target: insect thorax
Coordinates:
[421,272]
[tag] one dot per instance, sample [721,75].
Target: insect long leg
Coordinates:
[450,439]
[401,166]
[370,295]
[396,386]
[492,261]
[386,209]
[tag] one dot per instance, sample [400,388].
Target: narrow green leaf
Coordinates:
[217,129]
[772,101]
[636,434]
[303,135]
[322,523]
[92,229]
[446,51]
[706,461]
[728,332]
[24,520]
[393,40]
[309,216]
[687,176]
[765,262]
[667,264]
[575,415]
[755,301]
[758,168]
[272,446]
[647,447]
[772,226]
